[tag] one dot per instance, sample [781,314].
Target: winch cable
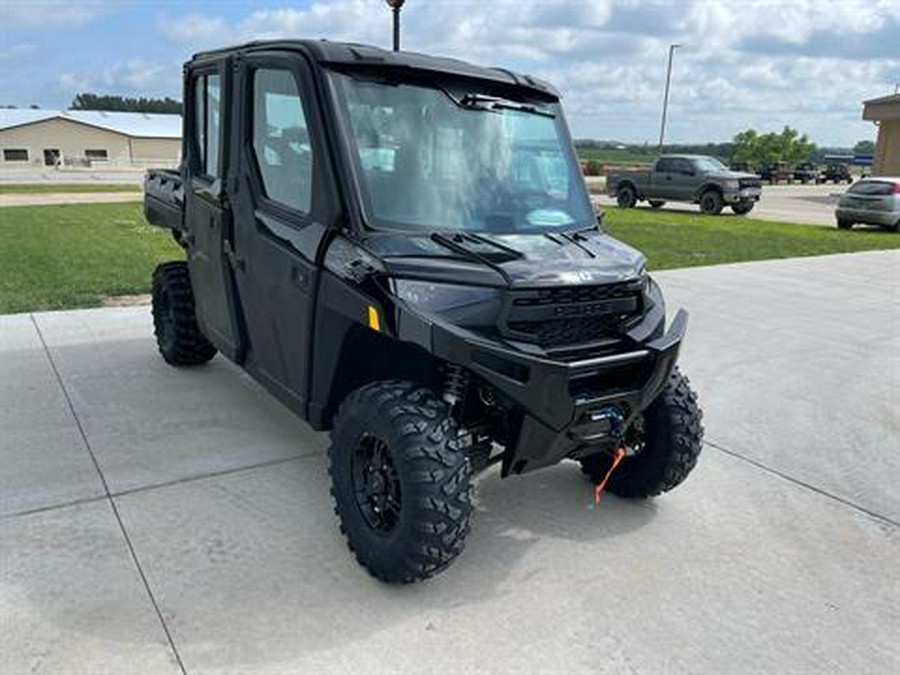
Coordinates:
[619,456]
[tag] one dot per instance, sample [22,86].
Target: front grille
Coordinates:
[750,183]
[568,331]
[571,315]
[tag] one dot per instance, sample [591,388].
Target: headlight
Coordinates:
[438,297]
[732,184]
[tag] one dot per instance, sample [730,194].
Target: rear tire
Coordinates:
[844,224]
[672,438]
[174,318]
[401,488]
[626,197]
[656,203]
[711,203]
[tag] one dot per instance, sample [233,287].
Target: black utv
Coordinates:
[402,250]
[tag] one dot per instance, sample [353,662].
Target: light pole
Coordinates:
[395,6]
[662,127]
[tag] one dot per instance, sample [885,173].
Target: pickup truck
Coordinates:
[687,178]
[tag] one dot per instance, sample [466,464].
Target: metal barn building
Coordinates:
[72,138]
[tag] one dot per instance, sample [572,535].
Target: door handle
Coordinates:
[236,261]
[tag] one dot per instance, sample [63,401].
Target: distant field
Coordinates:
[56,257]
[671,240]
[61,188]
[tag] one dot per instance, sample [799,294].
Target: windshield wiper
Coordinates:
[455,243]
[476,101]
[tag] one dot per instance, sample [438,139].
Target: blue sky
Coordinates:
[759,63]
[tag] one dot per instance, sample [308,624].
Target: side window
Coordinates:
[281,139]
[208,123]
[682,166]
[664,166]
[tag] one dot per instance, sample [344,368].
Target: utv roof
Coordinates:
[326,52]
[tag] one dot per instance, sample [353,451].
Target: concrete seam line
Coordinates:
[51,507]
[154,486]
[215,474]
[110,499]
[803,484]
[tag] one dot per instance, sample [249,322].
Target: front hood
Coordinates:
[731,175]
[515,260]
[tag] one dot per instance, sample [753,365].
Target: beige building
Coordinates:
[885,112]
[87,138]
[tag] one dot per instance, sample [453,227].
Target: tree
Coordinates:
[864,148]
[759,150]
[88,101]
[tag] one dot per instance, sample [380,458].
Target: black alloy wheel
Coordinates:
[376,484]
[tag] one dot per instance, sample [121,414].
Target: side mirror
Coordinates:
[600,215]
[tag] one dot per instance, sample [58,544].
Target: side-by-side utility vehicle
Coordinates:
[401,249]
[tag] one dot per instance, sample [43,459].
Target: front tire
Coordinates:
[742,208]
[844,224]
[174,317]
[401,489]
[669,444]
[711,203]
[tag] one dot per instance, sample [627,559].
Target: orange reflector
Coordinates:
[374,319]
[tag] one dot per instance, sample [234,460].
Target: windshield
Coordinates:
[431,160]
[709,164]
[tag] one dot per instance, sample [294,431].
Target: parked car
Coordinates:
[807,172]
[873,201]
[776,172]
[437,325]
[837,173]
[687,178]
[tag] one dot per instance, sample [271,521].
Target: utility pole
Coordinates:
[395,6]
[662,127]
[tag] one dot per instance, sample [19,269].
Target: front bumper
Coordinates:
[742,195]
[562,403]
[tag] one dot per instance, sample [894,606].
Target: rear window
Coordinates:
[872,187]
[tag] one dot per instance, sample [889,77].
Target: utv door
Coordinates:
[207,213]
[284,202]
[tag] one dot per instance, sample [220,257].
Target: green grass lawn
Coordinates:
[671,240]
[59,188]
[55,257]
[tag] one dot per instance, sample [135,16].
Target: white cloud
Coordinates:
[757,62]
[143,78]
[17,52]
[56,13]
[194,28]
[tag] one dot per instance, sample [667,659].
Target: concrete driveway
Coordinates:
[806,204]
[165,521]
